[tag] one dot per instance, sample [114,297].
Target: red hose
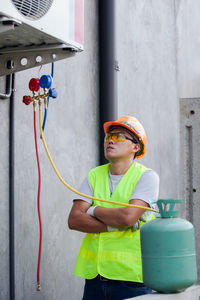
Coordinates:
[38,204]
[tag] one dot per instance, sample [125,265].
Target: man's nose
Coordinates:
[111,140]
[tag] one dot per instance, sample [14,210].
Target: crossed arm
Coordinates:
[115,217]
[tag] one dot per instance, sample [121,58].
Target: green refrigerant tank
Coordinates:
[168,250]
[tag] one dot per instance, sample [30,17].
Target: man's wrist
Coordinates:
[111,229]
[91,210]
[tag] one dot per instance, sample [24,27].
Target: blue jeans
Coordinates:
[97,289]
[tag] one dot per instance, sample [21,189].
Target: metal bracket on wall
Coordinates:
[15,60]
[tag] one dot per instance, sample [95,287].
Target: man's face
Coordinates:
[120,150]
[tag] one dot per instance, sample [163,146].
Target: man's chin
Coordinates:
[110,158]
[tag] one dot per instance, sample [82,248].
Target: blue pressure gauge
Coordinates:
[45,81]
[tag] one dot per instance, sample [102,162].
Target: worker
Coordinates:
[110,255]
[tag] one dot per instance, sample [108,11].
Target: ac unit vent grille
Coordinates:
[32,9]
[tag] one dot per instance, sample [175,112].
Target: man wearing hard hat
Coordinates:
[110,255]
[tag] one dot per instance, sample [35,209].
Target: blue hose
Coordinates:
[45,111]
[52,69]
[45,117]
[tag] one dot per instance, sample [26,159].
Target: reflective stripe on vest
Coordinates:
[114,255]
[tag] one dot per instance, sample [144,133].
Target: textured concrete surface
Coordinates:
[147,82]
[190,141]
[188,45]
[188,48]
[192,293]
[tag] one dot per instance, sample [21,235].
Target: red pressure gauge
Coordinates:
[34,85]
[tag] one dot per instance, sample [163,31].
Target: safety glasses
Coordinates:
[117,137]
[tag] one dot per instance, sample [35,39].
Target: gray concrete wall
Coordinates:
[147,82]
[188,45]
[188,48]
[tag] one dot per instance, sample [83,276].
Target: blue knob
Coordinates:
[53,93]
[45,81]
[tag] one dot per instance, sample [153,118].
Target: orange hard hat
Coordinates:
[134,126]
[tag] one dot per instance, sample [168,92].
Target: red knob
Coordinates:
[34,84]
[27,100]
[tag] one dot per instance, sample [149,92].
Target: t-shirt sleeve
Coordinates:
[85,188]
[147,188]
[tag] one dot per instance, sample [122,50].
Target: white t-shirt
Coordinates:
[146,189]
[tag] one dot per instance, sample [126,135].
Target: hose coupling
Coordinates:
[40,104]
[38,286]
[34,104]
[45,102]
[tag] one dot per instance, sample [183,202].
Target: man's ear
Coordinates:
[136,147]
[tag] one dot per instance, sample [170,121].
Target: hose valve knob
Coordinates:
[53,93]
[27,100]
[34,85]
[45,81]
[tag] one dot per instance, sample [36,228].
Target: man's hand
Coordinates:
[133,228]
[136,226]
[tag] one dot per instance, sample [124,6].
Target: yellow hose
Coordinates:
[71,188]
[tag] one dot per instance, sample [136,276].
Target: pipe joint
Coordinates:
[38,286]
[34,104]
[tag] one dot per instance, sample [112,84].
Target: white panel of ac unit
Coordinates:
[57,22]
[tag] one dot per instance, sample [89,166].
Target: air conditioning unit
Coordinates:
[40,23]
[37,32]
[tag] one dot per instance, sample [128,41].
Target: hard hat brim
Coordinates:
[107,125]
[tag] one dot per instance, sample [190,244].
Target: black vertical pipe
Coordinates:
[107,68]
[11,197]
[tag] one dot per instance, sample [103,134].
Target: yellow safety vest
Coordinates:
[115,255]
